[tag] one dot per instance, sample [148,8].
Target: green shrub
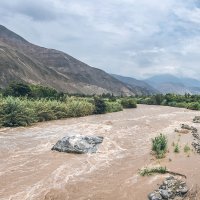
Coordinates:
[172,104]
[128,103]
[149,171]
[113,107]
[100,106]
[17,90]
[15,112]
[182,105]
[176,148]
[159,145]
[194,106]
[79,108]
[23,112]
[182,101]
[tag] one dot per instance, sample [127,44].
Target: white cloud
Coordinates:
[131,37]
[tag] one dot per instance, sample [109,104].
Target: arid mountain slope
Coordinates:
[23,61]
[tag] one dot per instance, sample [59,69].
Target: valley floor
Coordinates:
[29,170]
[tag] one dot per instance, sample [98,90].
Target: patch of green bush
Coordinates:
[128,103]
[176,148]
[159,145]
[113,107]
[15,112]
[182,105]
[100,106]
[194,106]
[149,171]
[17,90]
[175,100]
[23,111]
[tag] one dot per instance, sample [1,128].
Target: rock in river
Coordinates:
[196,119]
[78,144]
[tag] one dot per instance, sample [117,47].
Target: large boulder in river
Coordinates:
[78,144]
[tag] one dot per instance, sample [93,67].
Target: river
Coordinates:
[29,170]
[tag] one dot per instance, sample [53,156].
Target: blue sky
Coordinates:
[137,38]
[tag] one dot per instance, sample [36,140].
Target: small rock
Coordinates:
[196,119]
[184,190]
[191,128]
[166,194]
[170,178]
[154,196]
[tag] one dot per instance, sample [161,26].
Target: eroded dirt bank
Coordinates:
[29,170]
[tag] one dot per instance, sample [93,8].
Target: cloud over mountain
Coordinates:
[129,37]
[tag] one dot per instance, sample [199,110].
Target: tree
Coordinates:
[17,90]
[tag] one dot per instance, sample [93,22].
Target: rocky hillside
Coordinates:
[22,61]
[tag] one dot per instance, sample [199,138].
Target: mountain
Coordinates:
[166,83]
[21,60]
[141,87]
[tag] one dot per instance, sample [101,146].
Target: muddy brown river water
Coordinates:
[29,170]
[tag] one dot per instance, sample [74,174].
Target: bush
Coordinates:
[17,90]
[150,171]
[79,108]
[100,106]
[113,107]
[182,105]
[128,103]
[23,112]
[194,106]
[159,145]
[172,104]
[15,112]
[176,149]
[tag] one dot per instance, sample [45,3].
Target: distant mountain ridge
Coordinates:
[141,87]
[166,83]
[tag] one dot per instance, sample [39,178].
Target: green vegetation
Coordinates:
[149,171]
[186,148]
[113,106]
[23,104]
[182,101]
[159,145]
[176,148]
[22,111]
[128,103]
[100,106]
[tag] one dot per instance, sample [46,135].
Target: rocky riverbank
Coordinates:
[171,188]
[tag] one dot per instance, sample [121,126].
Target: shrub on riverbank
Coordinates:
[159,145]
[128,103]
[155,170]
[174,100]
[15,112]
[113,107]
[23,112]
[100,106]
[22,104]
